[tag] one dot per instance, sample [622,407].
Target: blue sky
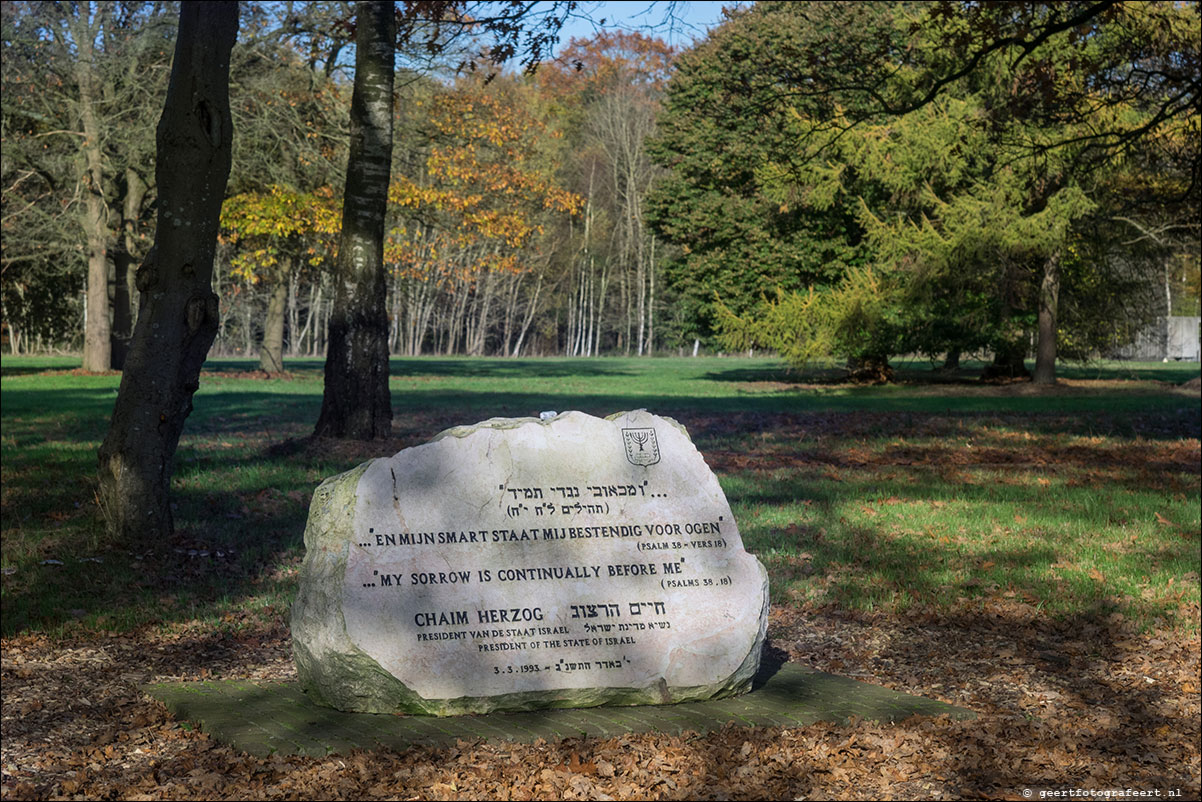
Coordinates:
[689,20]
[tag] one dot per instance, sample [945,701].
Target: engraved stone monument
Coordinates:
[525,563]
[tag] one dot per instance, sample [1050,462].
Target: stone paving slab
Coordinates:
[263,718]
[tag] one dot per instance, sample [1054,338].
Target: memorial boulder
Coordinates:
[525,563]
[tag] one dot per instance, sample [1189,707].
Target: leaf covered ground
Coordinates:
[1062,705]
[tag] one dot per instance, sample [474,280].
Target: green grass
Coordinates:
[873,498]
[895,539]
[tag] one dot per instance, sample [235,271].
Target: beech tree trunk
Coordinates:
[271,352]
[1009,362]
[178,317]
[293,315]
[356,403]
[1049,302]
[125,292]
[97,345]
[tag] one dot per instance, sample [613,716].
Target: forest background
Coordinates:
[631,198]
[515,219]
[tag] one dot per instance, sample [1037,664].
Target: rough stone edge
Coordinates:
[465,430]
[334,501]
[327,545]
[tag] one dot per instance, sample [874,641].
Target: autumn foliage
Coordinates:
[279,226]
[480,198]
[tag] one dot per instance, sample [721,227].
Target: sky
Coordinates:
[678,22]
[689,20]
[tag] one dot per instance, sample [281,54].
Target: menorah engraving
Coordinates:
[641,446]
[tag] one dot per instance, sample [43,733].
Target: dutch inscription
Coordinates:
[524,563]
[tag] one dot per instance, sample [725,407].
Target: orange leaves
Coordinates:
[576,766]
[471,114]
[608,59]
[484,193]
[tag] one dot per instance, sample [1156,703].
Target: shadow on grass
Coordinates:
[855,399]
[805,526]
[450,367]
[29,365]
[1170,372]
[234,545]
[547,367]
[780,374]
[23,369]
[968,374]
[994,634]
[245,471]
[57,411]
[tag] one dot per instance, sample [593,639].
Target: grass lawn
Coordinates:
[1030,553]
[1078,500]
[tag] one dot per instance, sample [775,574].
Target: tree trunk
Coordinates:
[248,326]
[514,283]
[1049,300]
[97,345]
[641,279]
[590,308]
[322,330]
[602,287]
[651,302]
[1009,362]
[356,402]
[271,352]
[396,325]
[314,320]
[455,317]
[293,315]
[530,311]
[125,263]
[178,315]
[478,322]
[314,289]
[869,369]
